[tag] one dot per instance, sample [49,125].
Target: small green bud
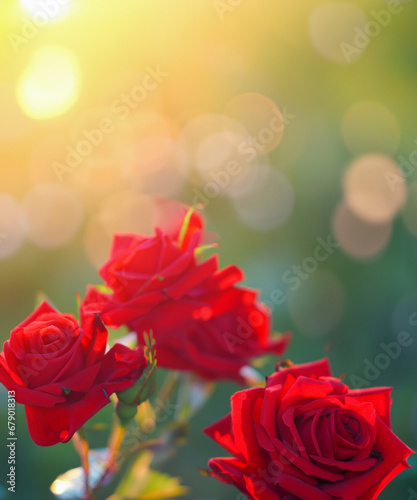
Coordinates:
[125,412]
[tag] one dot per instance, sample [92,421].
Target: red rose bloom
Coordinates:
[306,436]
[143,271]
[59,370]
[213,330]
[201,321]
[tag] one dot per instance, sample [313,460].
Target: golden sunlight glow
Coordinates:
[17,125]
[50,84]
[58,487]
[121,212]
[44,11]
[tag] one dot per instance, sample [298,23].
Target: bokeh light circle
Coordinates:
[334,31]
[128,212]
[269,204]
[199,127]
[374,188]
[149,144]
[50,84]
[170,177]
[122,212]
[223,167]
[261,119]
[53,214]
[357,237]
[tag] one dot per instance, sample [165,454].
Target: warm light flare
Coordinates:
[370,192]
[45,10]
[50,84]
[58,487]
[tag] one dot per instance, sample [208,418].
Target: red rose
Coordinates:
[201,322]
[143,271]
[213,330]
[306,436]
[59,370]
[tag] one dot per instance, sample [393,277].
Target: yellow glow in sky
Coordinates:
[45,9]
[50,84]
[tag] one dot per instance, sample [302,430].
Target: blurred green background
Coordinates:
[186,88]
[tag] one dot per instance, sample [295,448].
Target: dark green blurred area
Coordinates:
[379,293]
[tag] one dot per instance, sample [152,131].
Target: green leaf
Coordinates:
[185,225]
[150,342]
[161,486]
[149,384]
[201,249]
[78,300]
[125,411]
[104,289]
[143,483]
[143,388]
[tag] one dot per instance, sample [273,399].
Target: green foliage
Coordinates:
[142,389]
[185,224]
[143,483]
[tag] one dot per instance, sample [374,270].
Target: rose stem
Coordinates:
[81,445]
[115,442]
